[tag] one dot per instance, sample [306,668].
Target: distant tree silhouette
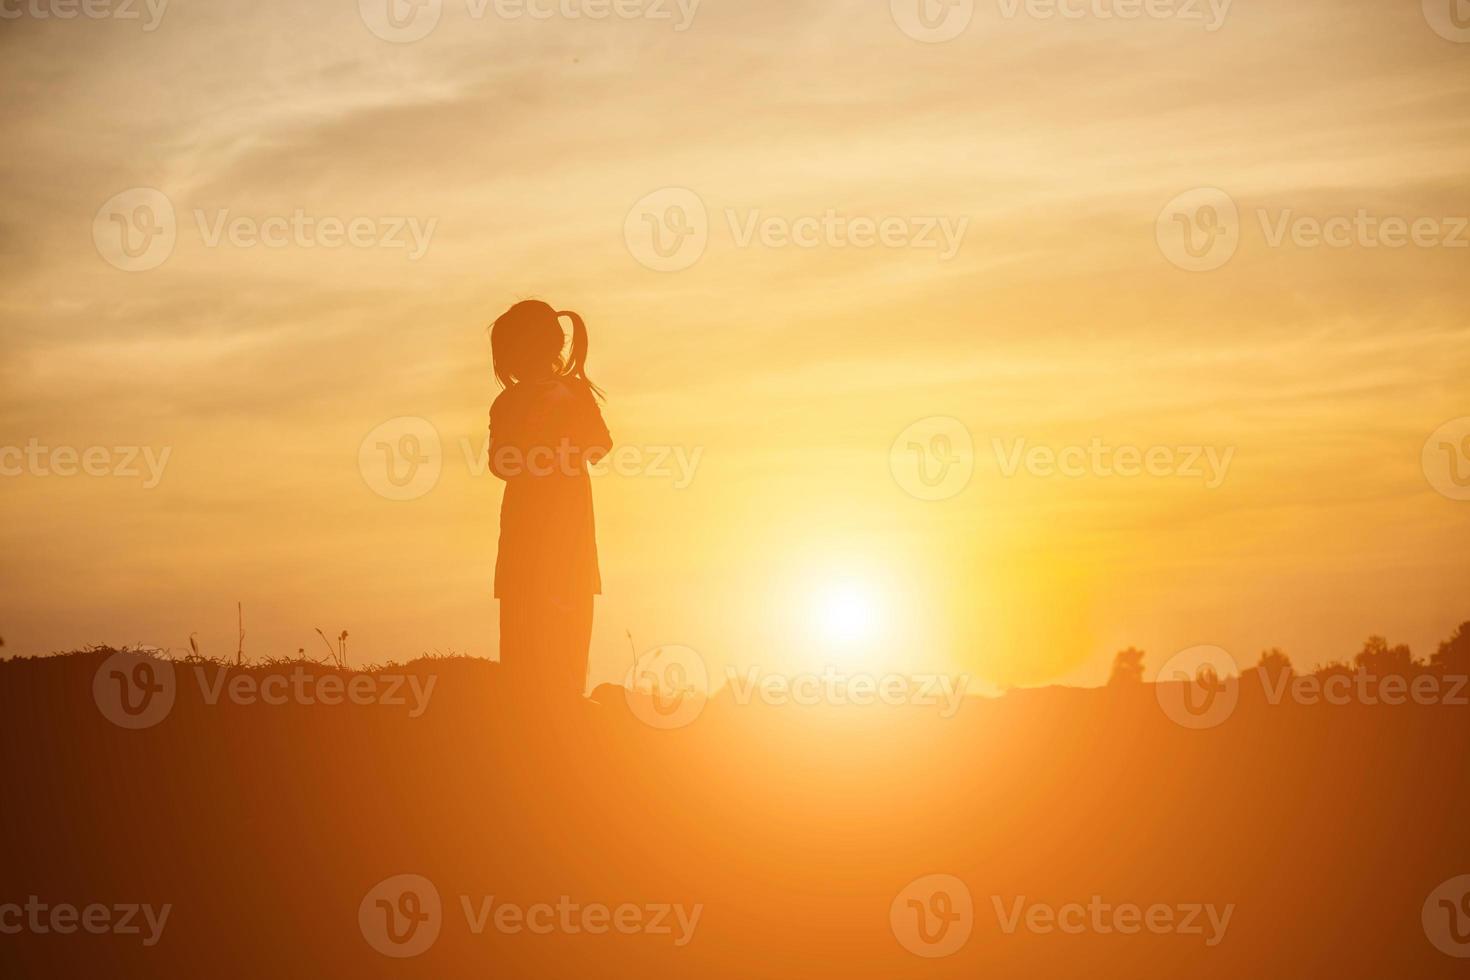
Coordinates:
[1127,667]
[1275,664]
[1453,655]
[1333,669]
[1380,659]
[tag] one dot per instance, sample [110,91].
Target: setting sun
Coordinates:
[848,613]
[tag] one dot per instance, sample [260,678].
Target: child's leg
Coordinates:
[544,645]
[570,646]
[523,643]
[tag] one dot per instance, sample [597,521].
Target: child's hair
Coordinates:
[528,336]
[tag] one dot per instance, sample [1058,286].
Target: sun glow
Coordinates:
[852,605]
[849,614]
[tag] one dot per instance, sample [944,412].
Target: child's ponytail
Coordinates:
[577,359]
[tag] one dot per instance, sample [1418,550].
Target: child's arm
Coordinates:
[505,455]
[580,422]
[596,440]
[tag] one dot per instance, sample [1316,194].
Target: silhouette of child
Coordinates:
[545,428]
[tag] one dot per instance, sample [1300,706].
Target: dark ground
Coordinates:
[1327,828]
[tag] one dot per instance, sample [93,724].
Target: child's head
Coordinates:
[526,345]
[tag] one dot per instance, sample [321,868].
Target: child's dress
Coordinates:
[542,435]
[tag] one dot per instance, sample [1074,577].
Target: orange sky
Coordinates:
[518,147]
